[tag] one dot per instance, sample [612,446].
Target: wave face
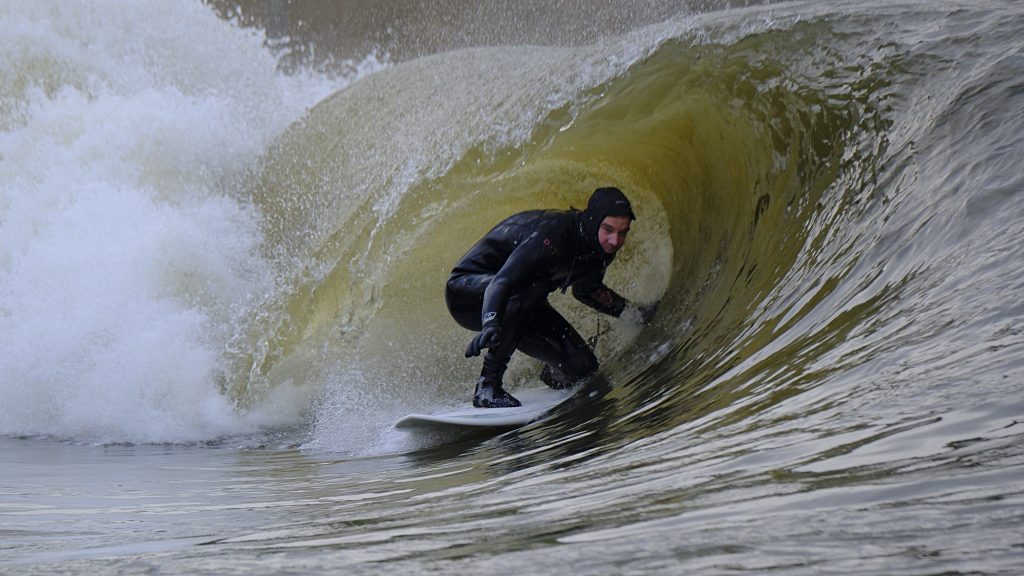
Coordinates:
[788,177]
[195,245]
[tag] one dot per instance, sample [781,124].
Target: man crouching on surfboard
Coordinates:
[500,289]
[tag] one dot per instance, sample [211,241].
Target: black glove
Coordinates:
[489,337]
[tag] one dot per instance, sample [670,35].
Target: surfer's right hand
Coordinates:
[489,337]
[640,314]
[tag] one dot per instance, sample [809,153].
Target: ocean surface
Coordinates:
[225,230]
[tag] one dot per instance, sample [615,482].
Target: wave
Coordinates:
[727,148]
[816,228]
[774,165]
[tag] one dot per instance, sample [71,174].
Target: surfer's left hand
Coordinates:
[489,337]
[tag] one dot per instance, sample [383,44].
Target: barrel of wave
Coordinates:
[685,161]
[691,165]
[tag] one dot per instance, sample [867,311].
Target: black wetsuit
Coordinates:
[505,278]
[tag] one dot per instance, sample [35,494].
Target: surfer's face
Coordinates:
[611,234]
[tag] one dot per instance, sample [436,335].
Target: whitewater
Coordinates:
[225,230]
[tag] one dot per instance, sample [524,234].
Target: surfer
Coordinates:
[499,289]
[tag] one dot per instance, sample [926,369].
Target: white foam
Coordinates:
[128,258]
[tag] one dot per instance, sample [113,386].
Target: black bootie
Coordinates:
[490,394]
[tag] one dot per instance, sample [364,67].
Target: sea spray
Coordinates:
[129,251]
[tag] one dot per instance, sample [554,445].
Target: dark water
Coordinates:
[222,253]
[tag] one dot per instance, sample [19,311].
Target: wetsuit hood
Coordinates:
[604,202]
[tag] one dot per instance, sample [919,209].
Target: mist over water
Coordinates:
[225,231]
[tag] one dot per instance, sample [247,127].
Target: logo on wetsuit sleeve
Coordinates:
[490,316]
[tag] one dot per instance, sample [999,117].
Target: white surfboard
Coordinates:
[536,403]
